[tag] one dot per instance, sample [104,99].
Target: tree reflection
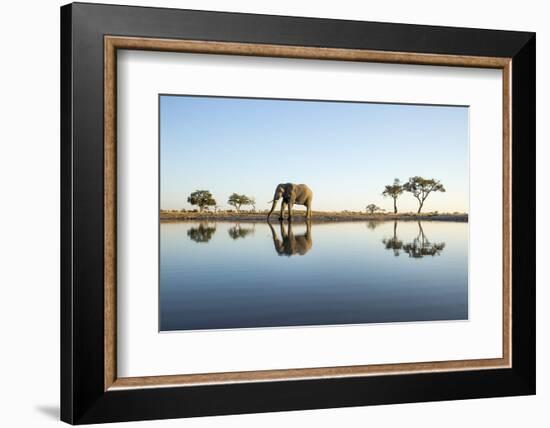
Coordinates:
[393,243]
[418,248]
[291,244]
[373,224]
[237,231]
[421,246]
[201,234]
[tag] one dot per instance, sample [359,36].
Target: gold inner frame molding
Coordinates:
[113,43]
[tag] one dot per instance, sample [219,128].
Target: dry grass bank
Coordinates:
[317,216]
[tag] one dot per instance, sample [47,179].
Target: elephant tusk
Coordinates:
[270,201]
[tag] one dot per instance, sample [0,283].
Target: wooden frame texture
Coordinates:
[203,32]
[113,43]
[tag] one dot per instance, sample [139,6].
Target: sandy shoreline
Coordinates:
[317,217]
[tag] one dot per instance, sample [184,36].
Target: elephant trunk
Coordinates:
[272,208]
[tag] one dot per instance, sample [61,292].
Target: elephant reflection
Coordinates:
[201,234]
[417,248]
[237,231]
[291,244]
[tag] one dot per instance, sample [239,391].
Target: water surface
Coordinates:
[243,275]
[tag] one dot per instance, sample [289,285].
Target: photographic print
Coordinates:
[287,212]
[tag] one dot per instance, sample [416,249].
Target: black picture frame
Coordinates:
[83,398]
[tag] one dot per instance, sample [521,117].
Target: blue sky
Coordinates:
[345,152]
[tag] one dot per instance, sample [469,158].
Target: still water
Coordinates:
[243,275]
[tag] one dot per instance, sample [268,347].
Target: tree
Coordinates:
[201,198]
[421,188]
[393,191]
[237,201]
[371,208]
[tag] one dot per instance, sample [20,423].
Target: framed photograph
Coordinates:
[265,213]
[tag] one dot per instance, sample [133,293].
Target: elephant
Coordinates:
[292,194]
[291,244]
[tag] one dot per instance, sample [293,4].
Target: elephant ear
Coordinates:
[282,188]
[289,190]
[279,190]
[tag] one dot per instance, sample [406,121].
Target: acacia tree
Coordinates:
[201,198]
[238,201]
[371,208]
[421,188]
[393,191]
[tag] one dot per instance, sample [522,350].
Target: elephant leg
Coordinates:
[290,210]
[308,230]
[283,204]
[308,212]
[290,232]
[284,235]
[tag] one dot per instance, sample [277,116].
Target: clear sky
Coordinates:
[345,152]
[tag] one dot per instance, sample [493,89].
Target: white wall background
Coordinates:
[29,214]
